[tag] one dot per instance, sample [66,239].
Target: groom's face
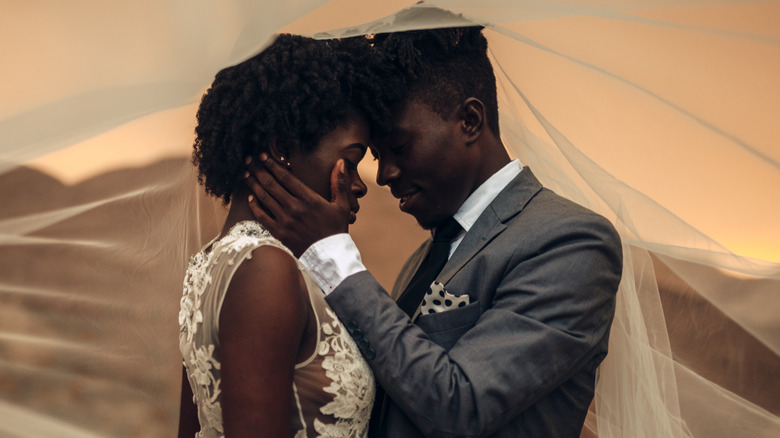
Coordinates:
[425,163]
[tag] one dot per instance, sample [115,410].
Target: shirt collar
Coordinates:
[478,201]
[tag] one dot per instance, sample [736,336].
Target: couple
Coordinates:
[498,333]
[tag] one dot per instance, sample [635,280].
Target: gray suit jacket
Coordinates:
[520,360]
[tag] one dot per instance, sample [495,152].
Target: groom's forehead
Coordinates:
[413,114]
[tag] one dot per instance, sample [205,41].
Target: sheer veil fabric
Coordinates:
[660,115]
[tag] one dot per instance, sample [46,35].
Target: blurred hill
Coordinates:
[90,281]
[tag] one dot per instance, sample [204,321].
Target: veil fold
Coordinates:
[660,115]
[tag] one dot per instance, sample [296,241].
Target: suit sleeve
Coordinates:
[551,310]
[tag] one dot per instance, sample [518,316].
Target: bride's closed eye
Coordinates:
[353,155]
[350,164]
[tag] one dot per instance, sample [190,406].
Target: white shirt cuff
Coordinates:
[331,260]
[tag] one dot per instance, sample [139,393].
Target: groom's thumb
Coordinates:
[338,184]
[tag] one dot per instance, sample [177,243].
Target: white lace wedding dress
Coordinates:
[333,389]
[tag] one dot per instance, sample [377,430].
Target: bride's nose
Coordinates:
[359,188]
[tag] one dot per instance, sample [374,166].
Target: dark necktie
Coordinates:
[412,297]
[435,260]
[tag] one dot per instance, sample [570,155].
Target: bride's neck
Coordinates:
[238,211]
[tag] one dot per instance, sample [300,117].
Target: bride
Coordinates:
[262,351]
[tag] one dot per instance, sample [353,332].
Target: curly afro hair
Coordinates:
[293,93]
[443,67]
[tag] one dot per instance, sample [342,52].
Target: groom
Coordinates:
[507,340]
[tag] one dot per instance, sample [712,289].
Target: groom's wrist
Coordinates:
[331,260]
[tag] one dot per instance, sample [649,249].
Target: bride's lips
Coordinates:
[353,215]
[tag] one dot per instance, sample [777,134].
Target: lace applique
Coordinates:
[352,383]
[189,314]
[201,363]
[249,228]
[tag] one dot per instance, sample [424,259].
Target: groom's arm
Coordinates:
[550,315]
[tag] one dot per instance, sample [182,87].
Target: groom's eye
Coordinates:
[396,150]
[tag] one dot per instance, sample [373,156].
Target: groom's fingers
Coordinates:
[338,185]
[285,186]
[270,184]
[261,202]
[264,218]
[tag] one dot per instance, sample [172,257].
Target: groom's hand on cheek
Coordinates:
[293,213]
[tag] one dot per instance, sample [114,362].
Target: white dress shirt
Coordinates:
[336,257]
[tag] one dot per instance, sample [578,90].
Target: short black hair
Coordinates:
[443,67]
[293,93]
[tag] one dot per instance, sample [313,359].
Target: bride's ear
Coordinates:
[279,153]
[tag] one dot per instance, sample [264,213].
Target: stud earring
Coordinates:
[284,161]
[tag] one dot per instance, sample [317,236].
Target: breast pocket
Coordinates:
[447,327]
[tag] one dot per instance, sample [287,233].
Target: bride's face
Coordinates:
[349,142]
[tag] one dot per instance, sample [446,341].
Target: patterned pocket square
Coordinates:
[438,300]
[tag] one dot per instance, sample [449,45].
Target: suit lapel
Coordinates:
[409,268]
[484,230]
[491,223]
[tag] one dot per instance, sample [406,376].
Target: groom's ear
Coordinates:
[471,116]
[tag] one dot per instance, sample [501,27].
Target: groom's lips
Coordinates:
[404,198]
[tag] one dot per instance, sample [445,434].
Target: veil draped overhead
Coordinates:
[660,115]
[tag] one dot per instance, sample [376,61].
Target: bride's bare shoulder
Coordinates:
[267,286]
